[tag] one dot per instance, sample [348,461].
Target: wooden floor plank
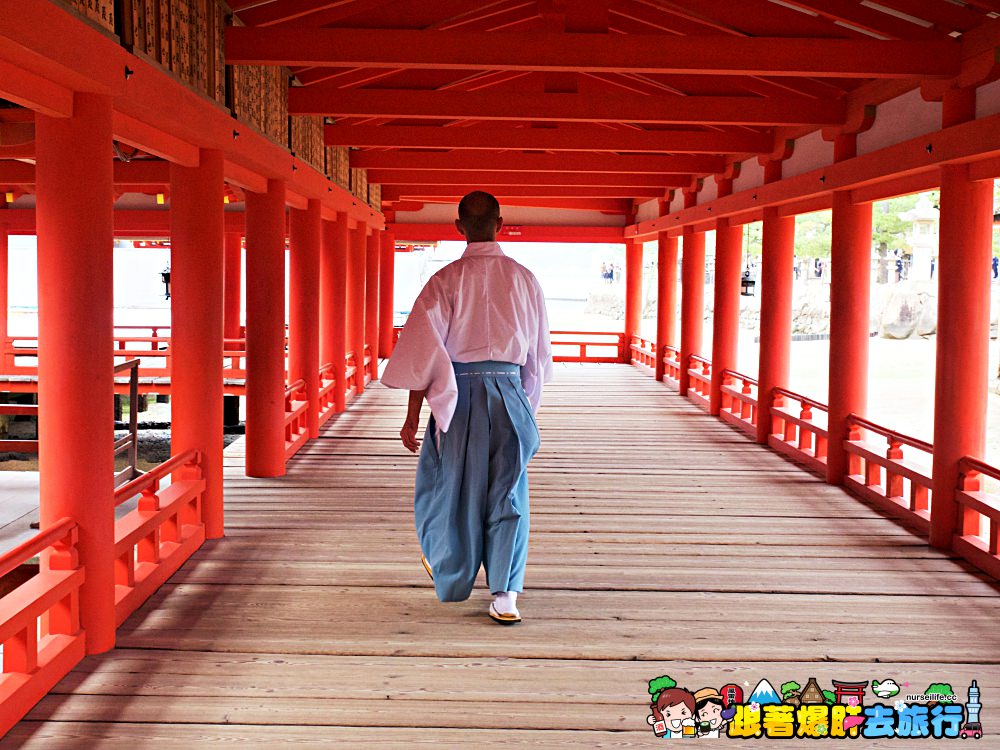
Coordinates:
[663,542]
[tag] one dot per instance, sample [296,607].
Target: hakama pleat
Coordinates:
[471,493]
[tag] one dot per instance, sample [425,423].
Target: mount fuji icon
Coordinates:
[764,694]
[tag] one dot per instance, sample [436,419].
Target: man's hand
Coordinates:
[409,435]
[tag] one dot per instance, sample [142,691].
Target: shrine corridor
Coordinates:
[663,542]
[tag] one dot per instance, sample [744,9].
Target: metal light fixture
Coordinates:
[747,283]
[165,277]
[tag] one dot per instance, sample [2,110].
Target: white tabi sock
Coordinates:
[506,602]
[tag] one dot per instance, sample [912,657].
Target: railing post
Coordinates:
[854,436]
[971,520]
[805,436]
[893,481]
[75,226]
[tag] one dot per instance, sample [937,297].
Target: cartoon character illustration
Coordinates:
[885,688]
[673,709]
[712,714]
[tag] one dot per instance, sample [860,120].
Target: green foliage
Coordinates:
[813,234]
[788,687]
[658,684]
[830,696]
[888,230]
[940,688]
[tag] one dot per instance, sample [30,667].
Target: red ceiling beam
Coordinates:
[147,173]
[518,233]
[455,192]
[521,162]
[484,177]
[134,223]
[604,205]
[603,53]
[609,107]
[550,139]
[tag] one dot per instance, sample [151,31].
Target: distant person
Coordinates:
[899,268]
[476,346]
[996,267]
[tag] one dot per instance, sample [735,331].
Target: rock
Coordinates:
[927,319]
[899,317]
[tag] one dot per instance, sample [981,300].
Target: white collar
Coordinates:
[482,248]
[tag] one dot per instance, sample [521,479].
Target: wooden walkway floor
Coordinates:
[663,542]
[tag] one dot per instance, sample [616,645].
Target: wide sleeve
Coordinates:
[420,360]
[537,369]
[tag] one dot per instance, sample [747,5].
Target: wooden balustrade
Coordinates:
[887,479]
[672,365]
[739,401]
[801,434]
[40,620]
[978,533]
[153,540]
[700,380]
[326,393]
[19,445]
[564,343]
[350,381]
[296,419]
[643,352]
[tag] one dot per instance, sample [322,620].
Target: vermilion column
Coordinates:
[387,275]
[692,300]
[356,302]
[726,318]
[372,281]
[197,262]
[666,297]
[265,389]
[961,383]
[850,293]
[4,262]
[305,237]
[333,302]
[776,273]
[633,294]
[233,270]
[75,345]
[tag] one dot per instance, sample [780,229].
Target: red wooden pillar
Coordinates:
[387,277]
[775,312]
[333,302]
[372,282]
[850,294]
[265,389]
[356,302]
[692,300]
[4,262]
[633,294]
[75,345]
[233,271]
[666,297]
[305,236]
[726,320]
[961,383]
[197,261]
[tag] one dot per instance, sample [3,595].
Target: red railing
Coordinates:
[738,406]
[40,620]
[368,364]
[350,382]
[327,393]
[564,342]
[129,444]
[153,540]
[19,410]
[799,433]
[234,359]
[884,477]
[699,380]
[296,418]
[672,365]
[978,533]
[643,352]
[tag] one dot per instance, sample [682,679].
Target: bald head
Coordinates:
[479,217]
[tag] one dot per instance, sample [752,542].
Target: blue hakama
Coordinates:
[471,494]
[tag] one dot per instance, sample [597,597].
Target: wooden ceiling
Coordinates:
[593,103]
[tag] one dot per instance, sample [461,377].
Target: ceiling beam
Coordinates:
[550,139]
[603,53]
[521,162]
[143,172]
[576,179]
[609,107]
[455,192]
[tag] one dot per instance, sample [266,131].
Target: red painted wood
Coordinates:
[333,303]
[305,237]
[197,261]
[373,254]
[692,301]
[496,180]
[356,269]
[75,350]
[726,318]
[666,298]
[850,293]
[387,264]
[265,388]
[233,283]
[633,290]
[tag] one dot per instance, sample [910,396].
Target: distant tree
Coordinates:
[658,684]
[940,688]
[787,688]
[830,696]
[813,234]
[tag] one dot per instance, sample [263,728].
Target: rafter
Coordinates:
[611,107]
[521,162]
[494,137]
[543,51]
[455,192]
[572,179]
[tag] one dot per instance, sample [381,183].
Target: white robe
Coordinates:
[483,306]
